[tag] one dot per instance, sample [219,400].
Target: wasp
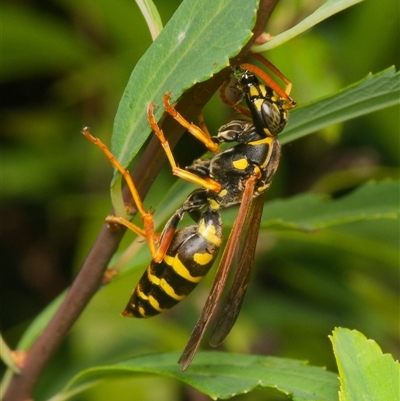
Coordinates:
[239,174]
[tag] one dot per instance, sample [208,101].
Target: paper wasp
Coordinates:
[181,258]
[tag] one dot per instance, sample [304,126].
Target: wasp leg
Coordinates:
[202,124]
[271,83]
[205,182]
[147,217]
[197,132]
[124,222]
[222,92]
[238,107]
[194,202]
[275,70]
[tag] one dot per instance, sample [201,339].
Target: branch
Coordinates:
[89,278]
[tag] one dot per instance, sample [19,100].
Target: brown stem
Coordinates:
[89,278]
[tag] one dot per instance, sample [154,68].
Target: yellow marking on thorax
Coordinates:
[213,204]
[222,193]
[202,258]
[265,141]
[262,141]
[240,164]
[270,141]
[179,268]
[209,233]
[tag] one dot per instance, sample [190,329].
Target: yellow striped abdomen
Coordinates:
[189,258]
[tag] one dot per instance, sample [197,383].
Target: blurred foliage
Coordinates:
[65,64]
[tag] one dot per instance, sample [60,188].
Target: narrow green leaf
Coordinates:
[40,322]
[314,211]
[366,374]
[373,93]
[152,16]
[64,396]
[328,9]
[223,375]
[196,43]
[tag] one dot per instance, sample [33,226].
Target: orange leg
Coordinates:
[222,92]
[275,70]
[202,124]
[147,217]
[238,108]
[206,183]
[196,131]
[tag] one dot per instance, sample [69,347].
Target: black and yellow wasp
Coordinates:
[181,258]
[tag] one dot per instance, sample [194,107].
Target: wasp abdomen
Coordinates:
[188,259]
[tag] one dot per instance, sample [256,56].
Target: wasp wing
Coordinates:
[248,242]
[220,277]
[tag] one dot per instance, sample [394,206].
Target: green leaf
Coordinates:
[356,243]
[373,93]
[224,375]
[314,211]
[365,373]
[310,211]
[151,15]
[196,43]
[328,9]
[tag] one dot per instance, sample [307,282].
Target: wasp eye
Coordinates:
[273,117]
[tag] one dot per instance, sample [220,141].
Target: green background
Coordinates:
[64,66]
